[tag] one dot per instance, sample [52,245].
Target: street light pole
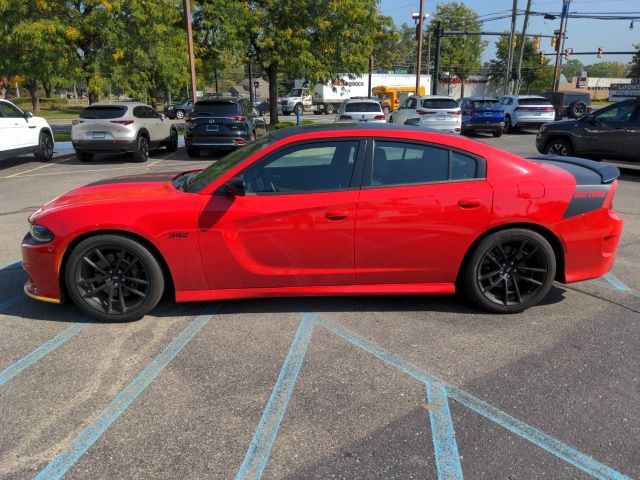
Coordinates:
[419,59]
[560,44]
[192,67]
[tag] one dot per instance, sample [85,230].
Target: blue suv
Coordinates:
[482,115]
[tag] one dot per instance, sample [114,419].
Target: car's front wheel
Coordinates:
[193,152]
[45,147]
[558,146]
[113,278]
[179,114]
[141,154]
[172,145]
[510,271]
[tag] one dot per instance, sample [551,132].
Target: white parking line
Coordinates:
[37,168]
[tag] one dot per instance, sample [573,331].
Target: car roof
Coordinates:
[361,99]
[335,127]
[119,104]
[529,96]
[480,98]
[434,97]
[210,100]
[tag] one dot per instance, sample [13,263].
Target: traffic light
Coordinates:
[567,53]
[554,41]
[600,52]
[536,42]
[541,58]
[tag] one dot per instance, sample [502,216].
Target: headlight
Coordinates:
[41,234]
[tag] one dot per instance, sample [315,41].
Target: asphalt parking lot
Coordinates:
[375,387]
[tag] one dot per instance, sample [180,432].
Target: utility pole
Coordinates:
[560,44]
[370,72]
[428,55]
[419,59]
[251,97]
[436,62]
[516,85]
[507,76]
[192,66]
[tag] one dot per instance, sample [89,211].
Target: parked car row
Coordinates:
[21,133]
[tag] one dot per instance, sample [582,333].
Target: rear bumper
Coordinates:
[39,262]
[483,126]
[531,120]
[214,141]
[108,146]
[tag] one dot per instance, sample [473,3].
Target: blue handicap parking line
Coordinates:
[59,466]
[257,456]
[442,433]
[619,285]
[37,354]
[6,304]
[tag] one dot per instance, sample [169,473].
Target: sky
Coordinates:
[583,35]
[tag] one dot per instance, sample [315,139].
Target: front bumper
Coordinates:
[107,146]
[39,261]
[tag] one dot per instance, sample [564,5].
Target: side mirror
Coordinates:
[27,115]
[162,117]
[235,187]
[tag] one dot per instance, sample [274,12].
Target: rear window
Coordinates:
[103,112]
[216,109]
[485,104]
[533,101]
[439,103]
[363,107]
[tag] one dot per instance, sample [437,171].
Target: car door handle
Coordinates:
[336,214]
[469,203]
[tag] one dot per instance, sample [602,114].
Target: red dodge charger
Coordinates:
[334,210]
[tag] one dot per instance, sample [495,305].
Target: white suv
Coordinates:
[526,111]
[360,110]
[127,127]
[431,111]
[22,133]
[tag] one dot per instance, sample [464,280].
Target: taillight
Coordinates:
[548,109]
[76,122]
[239,118]
[346,117]
[239,141]
[122,122]
[458,112]
[379,117]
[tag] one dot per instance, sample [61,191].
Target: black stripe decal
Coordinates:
[587,198]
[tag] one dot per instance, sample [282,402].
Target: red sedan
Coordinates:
[337,210]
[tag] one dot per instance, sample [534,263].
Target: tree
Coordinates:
[635,63]
[571,67]
[535,77]
[608,70]
[461,54]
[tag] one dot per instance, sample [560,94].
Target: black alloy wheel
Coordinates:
[179,114]
[113,278]
[172,146]
[511,271]
[141,154]
[45,147]
[558,147]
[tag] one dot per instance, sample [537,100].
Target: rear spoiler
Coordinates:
[607,173]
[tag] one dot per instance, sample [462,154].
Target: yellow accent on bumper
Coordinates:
[42,299]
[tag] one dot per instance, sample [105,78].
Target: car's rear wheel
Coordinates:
[113,278]
[172,145]
[558,146]
[45,147]
[179,114]
[497,133]
[141,154]
[84,156]
[329,108]
[510,271]
[193,152]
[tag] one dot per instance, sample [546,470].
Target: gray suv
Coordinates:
[570,104]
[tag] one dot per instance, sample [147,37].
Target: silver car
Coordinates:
[360,110]
[432,111]
[127,127]
[526,111]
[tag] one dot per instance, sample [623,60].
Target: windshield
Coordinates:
[296,92]
[209,174]
[485,104]
[103,112]
[363,107]
[439,103]
[534,101]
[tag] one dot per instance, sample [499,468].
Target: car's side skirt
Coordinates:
[316,291]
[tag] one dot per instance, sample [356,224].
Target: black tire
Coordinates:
[329,108]
[84,156]
[386,110]
[113,278]
[172,144]
[45,147]
[179,114]
[193,152]
[316,112]
[508,127]
[141,154]
[286,114]
[577,109]
[497,133]
[558,146]
[464,131]
[510,271]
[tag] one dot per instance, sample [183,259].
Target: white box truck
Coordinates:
[326,98]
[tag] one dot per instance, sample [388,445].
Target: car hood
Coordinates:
[119,189]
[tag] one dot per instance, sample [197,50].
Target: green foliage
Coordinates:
[570,67]
[608,70]
[635,63]
[534,78]
[459,54]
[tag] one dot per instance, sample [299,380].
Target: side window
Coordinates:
[411,103]
[151,113]
[9,111]
[616,114]
[636,118]
[396,163]
[139,112]
[312,167]
[463,167]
